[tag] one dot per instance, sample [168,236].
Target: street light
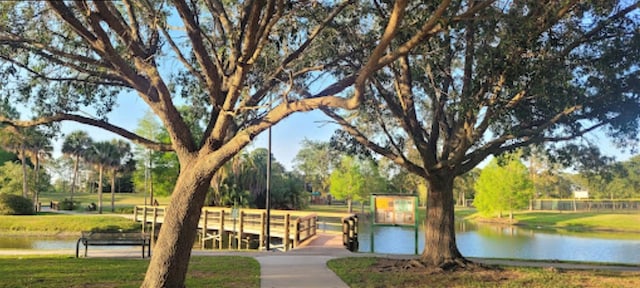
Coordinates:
[268,196]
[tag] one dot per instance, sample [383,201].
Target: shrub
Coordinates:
[68,205]
[15,205]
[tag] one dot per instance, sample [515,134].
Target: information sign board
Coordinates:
[394,210]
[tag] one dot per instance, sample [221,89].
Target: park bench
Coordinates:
[114,239]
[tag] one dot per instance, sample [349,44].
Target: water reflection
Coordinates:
[37,242]
[474,240]
[505,241]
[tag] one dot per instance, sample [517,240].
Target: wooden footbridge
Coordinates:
[247,228]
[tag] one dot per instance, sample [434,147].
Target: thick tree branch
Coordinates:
[93,122]
[372,65]
[209,67]
[120,27]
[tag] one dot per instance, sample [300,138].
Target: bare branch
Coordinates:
[399,159]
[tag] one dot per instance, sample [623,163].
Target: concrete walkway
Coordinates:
[297,270]
[305,267]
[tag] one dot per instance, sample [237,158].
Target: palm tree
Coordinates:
[76,145]
[38,147]
[101,154]
[234,173]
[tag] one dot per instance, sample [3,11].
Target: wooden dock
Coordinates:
[247,227]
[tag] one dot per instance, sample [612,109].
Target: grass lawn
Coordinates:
[574,221]
[124,202]
[45,271]
[50,224]
[370,272]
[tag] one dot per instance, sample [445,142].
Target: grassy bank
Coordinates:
[51,224]
[573,221]
[371,272]
[45,271]
[124,202]
[567,220]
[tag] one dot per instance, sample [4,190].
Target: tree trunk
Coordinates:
[170,259]
[113,190]
[440,242]
[75,176]
[349,205]
[25,189]
[100,190]
[36,190]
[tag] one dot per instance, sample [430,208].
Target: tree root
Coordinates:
[416,265]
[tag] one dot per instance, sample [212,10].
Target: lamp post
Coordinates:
[268,194]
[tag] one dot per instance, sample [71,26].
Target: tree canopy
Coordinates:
[517,73]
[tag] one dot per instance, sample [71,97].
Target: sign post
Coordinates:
[394,210]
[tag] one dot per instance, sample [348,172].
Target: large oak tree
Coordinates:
[240,66]
[519,73]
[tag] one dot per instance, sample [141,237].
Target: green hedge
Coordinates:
[15,205]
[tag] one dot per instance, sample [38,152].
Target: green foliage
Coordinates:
[242,181]
[11,204]
[348,182]
[11,179]
[315,160]
[503,185]
[76,145]
[619,180]
[6,156]
[68,205]
[163,167]
[463,186]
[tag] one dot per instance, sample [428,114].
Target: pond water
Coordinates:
[474,240]
[497,241]
[37,242]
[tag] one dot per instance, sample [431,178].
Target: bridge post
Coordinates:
[263,217]
[296,238]
[153,228]
[204,228]
[144,217]
[240,230]
[221,232]
[286,239]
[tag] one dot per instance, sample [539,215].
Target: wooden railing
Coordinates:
[350,233]
[306,227]
[293,227]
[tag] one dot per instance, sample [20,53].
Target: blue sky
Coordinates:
[286,135]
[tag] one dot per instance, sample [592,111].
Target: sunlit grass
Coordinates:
[124,202]
[52,271]
[64,223]
[629,222]
[363,272]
